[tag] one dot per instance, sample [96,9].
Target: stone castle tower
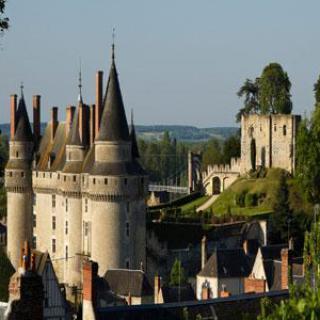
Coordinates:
[79,190]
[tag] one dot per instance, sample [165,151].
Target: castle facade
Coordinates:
[78,190]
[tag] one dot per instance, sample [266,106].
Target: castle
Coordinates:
[78,190]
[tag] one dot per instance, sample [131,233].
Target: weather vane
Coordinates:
[80,81]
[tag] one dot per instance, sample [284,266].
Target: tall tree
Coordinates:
[4,21]
[177,274]
[316,90]
[249,92]
[282,215]
[274,90]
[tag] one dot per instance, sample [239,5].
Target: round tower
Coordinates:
[18,181]
[116,189]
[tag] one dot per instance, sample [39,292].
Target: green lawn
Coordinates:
[191,206]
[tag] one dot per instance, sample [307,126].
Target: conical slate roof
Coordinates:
[134,144]
[23,127]
[74,133]
[113,125]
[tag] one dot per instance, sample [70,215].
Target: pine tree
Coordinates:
[177,274]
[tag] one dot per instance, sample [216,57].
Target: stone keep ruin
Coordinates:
[266,141]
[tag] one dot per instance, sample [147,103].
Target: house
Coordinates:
[272,269]
[131,285]
[172,294]
[223,274]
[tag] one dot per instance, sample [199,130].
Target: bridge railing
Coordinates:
[172,189]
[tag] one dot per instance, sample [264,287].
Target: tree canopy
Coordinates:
[270,93]
[316,89]
[4,21]
[177,274]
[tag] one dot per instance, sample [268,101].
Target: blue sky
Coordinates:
[179,61]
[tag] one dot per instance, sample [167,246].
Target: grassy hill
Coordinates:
[252,196]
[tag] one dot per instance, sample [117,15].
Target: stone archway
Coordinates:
[216,185]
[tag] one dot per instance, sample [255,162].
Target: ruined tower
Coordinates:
[18,180]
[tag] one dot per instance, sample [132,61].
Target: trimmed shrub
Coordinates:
[250,200]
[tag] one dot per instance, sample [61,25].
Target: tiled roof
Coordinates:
[23,127]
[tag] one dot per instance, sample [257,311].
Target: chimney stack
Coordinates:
[99,88]
[54,122]
[285,264]
[203,251]
[92,123]
[36,104]
[13,111]
[157,287]
[83,122]
[69,118]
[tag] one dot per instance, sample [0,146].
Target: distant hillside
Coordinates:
[183,133]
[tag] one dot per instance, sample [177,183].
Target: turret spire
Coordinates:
[113,40]
[21,89]
[80,83]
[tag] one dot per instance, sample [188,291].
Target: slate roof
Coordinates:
[113,124]
[171,294]
[123,281]
[117,168]
[134,144]
[272,269]
[230,263]
[74,133]
[272,251]
[23,127]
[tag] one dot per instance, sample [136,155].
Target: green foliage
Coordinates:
[240,198]
[268,94]
[4,148]
[308,156]
[251,200]
[177,274]
[316,90]
[220,152]
[164,159]
[282,215]
[4,21]
[6,271]
[274,90]
[248,91]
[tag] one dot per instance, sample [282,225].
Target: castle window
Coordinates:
[284,130]
[44,174]
[67,252]
[53,201]
[58,176]
[64,178]
[275,128]
[37,174]
[66,228]
[53,245]
[74,178]
[34,242]
[34,220]
[105,180]
[125,181]
[10,174]
[22,174]
[85,205]
[67,204]
[94,180]
[128,206]
[53,223]
[17,154]
[127,264]
[86,229]
[127,229]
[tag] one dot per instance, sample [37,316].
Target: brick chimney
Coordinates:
[99,93]
[69,118]
[83,122]
[54,122]
[89,273]
[13,112]
[203,251]
[92,125]
[205,292]
[157,288]
[36,105]
[26,290]
[285,265]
